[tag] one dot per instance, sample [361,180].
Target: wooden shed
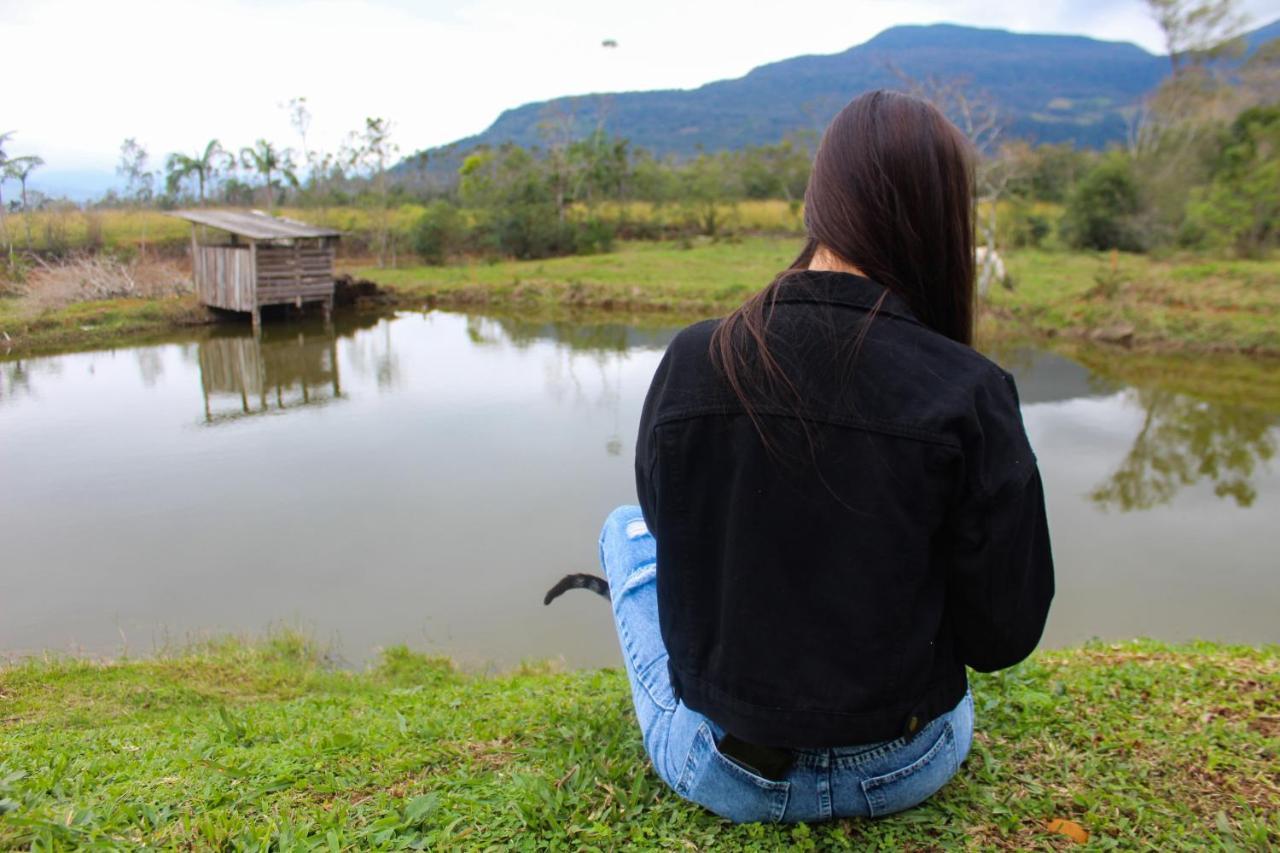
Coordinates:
[259,260]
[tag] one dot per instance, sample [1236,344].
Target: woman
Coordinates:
[839,510]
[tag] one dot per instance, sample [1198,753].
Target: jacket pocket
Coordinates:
[727,788]
[915,783]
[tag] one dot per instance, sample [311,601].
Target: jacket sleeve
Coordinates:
[1001,580]
[647,447]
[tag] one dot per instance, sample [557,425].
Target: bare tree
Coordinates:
[979,116]
[300,119]
[556,126]
[373,152]
[1198,30]
[133,168]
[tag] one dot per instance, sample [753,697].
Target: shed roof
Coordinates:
[254,224]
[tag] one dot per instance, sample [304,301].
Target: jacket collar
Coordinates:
[828,287]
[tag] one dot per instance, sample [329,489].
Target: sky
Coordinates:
[85,74]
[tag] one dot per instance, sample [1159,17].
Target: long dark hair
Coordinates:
[890,192]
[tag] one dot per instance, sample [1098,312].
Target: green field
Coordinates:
[237,746]
[139,229]
[1167,304]
[1174,303]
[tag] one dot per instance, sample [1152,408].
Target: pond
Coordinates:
[423,478]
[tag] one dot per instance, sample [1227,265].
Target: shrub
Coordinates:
[1101,211]
[593,236]
[437,232]
[1241,207]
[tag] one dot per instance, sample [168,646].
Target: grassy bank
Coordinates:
[95,325]
[1193,304]
[232,746]
[1189,304]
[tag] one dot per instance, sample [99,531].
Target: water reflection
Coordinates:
[1183,441]
[597,338]
[16,376]
[247,375]
[475,457]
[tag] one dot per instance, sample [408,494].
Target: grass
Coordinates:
[95,325]
[1192,302]
[660,276]
[241,746]
[1179,303]
[133,229]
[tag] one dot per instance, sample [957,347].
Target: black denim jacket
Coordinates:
[829,588]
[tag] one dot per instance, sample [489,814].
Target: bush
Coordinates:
[1101,212]
[437,232]
[593,236]
[1240,208]
[1025,229]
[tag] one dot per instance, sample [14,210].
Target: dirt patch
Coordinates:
[491,754]
[88,278]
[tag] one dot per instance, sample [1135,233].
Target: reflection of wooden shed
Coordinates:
[263,260]
[295,370]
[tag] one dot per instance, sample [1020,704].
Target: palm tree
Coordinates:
[265,159]
[20,168]
[204,166]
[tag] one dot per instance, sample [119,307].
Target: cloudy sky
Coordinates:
[84,74]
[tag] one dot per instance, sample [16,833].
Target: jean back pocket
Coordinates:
[727,788]
[917,781]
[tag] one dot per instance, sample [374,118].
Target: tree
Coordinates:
[20,168]
[4,159]
[436,232]
[1241,205]
[204,166]
[373,153]
[514,196]
[1100,211]
[1175,133]
[133,168]
[268,161]
[708,184]
[300,118]
[1198,30]
[980,117]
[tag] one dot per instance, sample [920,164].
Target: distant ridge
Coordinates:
[1053,88]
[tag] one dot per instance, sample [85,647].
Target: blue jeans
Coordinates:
[869,780]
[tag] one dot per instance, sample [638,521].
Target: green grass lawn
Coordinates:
[1176,303]
[1189,303]
[238,746]
[1194,303]
[706,276]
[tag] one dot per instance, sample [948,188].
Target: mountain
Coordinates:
[1262,35]
[1052,88]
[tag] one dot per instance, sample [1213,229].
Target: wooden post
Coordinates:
[195,264]
[253,271]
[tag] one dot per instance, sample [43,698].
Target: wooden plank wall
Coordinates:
[224,277]
[286,273]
